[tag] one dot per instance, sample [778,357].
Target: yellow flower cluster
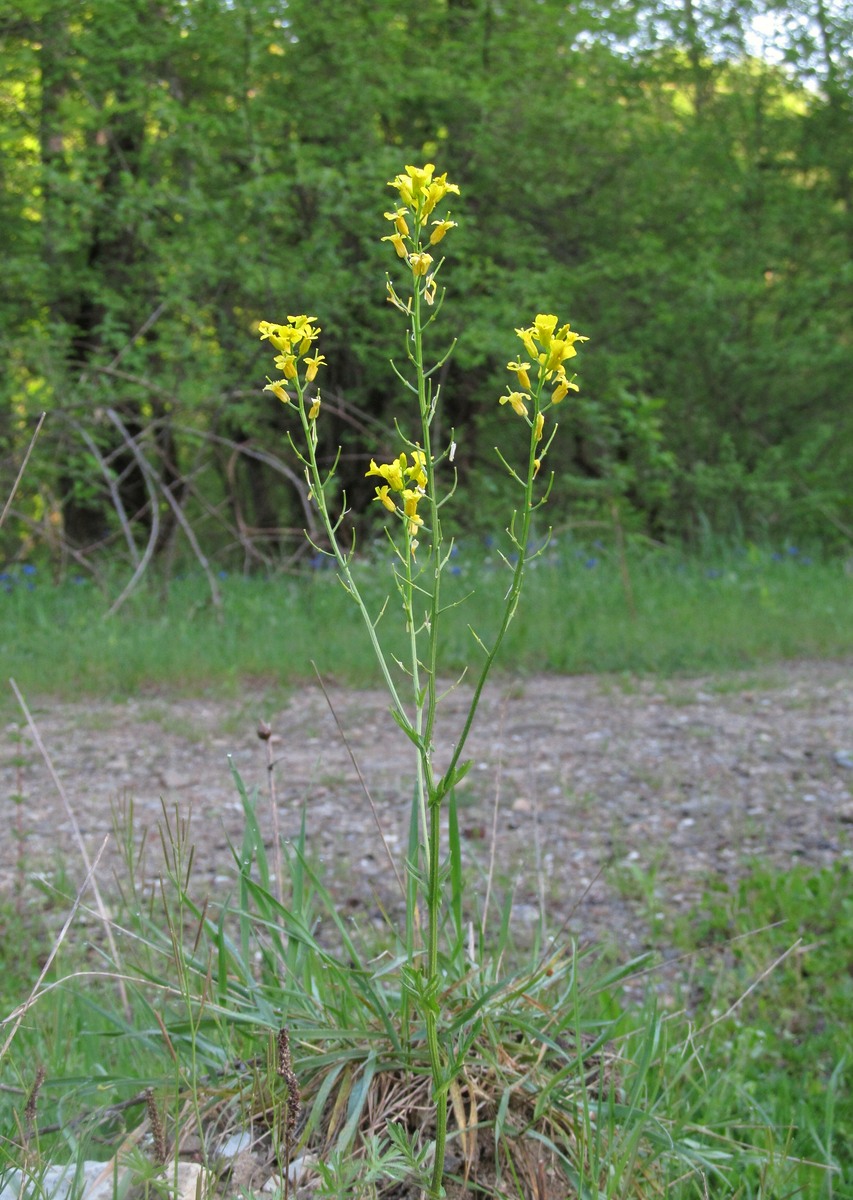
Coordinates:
[420,191]
[549,347]
[409,481]
[293,341]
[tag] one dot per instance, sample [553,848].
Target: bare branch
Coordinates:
[146,467]
[20,474]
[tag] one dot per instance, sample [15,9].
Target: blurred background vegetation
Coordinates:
[672,176]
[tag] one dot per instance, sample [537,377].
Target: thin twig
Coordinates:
[153,536]
[173,504]
[115,494]
[361,780]
[153,479]
[759,979]
[20,1012]
[78,837]
[23,467]
[495,810]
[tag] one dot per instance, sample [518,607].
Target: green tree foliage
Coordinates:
[674,176]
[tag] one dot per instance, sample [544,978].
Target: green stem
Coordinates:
[512,598]
[426,721]
[318,488]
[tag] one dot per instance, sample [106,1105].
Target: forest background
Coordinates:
[674,178]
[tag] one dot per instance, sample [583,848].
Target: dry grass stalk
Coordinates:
[16,1017]
[21,470]
[78,837]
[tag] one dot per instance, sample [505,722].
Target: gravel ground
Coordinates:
[614,798]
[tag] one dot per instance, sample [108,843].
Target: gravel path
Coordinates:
[617,797]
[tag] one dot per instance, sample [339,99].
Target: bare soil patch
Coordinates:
[617,798]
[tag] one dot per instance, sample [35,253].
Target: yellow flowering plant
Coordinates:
[412,488]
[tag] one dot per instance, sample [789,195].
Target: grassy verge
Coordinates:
[787,1042]
[564,1091]
[727,609]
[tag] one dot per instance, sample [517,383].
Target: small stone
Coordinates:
[173,781]
[522,804]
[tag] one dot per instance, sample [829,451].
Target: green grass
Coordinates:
[728,609]
[788,1043]
[746,1095]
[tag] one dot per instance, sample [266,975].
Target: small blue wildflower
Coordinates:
[223,574]
[805,560]
[488,541]
[793,551]
[454,550]
[591,563]
[455,570]
[776,556]
[713,573]
[28,569]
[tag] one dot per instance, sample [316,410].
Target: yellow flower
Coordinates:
[563,385]
[516,399]
[521,369]
[420,263]
[537,463]
[299,333]
[436,191]
[397,242]
[410,506]
[398,216]
[279,336]
[559,350]
[411,185]
[267,329]
[276,386]
[526,336]
[404,186]
[420,192]
[383,497]
[440,229]
[391,472]
[538,426]
[312,366]
[302,322]
[286,363]
[416,471]
[419,177]
[429,290]
[544,325]
[314,411]
[549,346]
